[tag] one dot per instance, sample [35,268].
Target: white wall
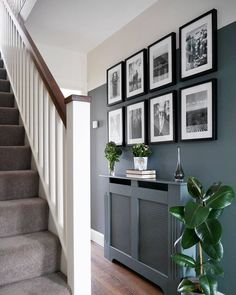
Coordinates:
[68,67]
[160,19]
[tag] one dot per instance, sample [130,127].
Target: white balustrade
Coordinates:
[61,154]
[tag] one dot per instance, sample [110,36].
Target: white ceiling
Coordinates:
[81,24]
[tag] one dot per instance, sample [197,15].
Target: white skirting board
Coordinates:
[97,237]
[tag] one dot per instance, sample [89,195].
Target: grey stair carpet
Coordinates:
[29,253]
[9,116]
[53,284]
[18,184]
[11,135]
[4,85]
[3,74]
[15,158]
[27,216]
[27,256]
[6,99]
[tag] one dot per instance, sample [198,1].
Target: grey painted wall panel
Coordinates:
[208,160]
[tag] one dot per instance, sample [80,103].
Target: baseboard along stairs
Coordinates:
[29,254]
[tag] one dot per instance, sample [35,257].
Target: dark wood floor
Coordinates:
[112,278]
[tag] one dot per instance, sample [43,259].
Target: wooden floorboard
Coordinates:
[113,278]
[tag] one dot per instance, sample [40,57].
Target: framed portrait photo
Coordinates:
[116,126]
[136,123]
[198,46]
[161,61]
[198,111]
[115,84]
[162,118]
[135,70]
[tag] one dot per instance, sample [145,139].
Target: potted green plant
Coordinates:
[141,153]
[112,154]
[201,227]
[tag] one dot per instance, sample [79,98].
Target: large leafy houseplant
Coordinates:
[112,154]
[202,228]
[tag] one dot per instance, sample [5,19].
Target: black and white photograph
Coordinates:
[135,74]
[198,111]
[114,84]
[161,60]
[198,45]
[115,126]
[162,118]
[136,124]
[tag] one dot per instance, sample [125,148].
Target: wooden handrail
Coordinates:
[48,79]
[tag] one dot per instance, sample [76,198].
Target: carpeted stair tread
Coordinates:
[19,184]
[6,99]
[5,85]
[9,116]
[15,158]
[23,216]
[12,135]
[52,284]
[3,74]
[28,256]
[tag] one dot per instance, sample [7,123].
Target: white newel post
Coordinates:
[78,194]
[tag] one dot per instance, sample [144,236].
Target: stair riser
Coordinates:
[9,116]
[12,135]
[18,185]
[15,158]
[3,74]
[23,261]
[4,86]
[23,217]
[52,284]
[6,100]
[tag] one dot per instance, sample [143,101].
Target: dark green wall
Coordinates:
[210,161]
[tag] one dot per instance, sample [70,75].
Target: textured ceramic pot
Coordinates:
[140,163]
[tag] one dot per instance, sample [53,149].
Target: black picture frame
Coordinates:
[144,129]
[199,112]
[201,57]
[169,126]
[132,88]
[164,48]
[120,112]
[115,92]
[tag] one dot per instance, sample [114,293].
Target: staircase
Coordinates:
[29,254]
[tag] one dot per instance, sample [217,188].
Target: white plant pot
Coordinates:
[140,163]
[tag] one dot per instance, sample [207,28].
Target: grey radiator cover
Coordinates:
[139,231]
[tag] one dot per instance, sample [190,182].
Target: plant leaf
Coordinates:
[183,260]
[195,214]
[215,251]
[215,213]
[178,212]
[205,284]
[189,238]
[213,189]
[186,286]
[222,198]
[213,268]
[208,284]
[195,188]
[209,231]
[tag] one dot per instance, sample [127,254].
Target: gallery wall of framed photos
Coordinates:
[152,96]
